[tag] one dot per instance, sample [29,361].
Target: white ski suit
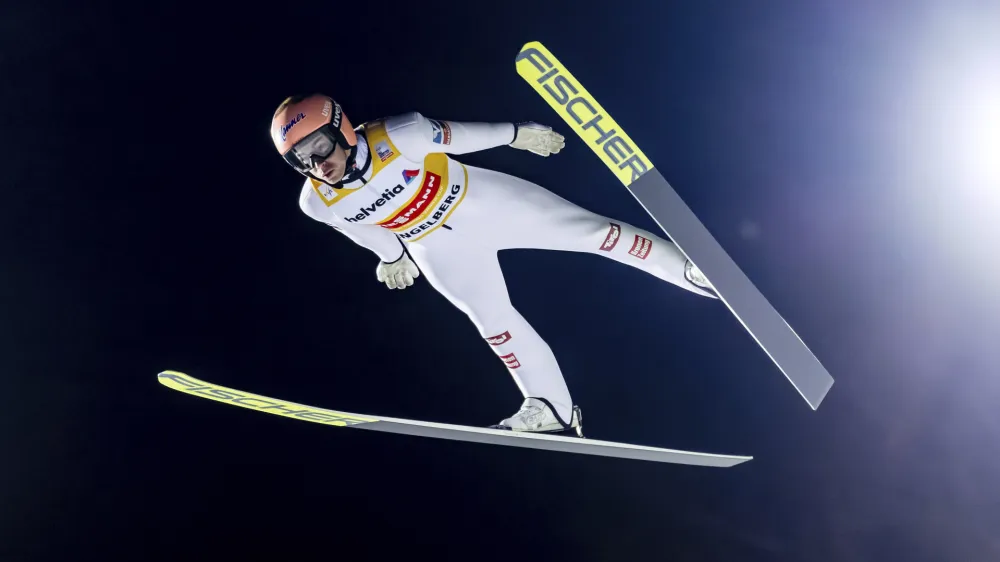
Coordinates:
[453,218]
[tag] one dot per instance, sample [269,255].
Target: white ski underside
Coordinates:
[602,134]
[190,385]
[799,365]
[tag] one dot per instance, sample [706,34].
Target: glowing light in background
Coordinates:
[966,95]
[947,142]
[978,130]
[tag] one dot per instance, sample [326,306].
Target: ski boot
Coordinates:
[698,279]
[537,415]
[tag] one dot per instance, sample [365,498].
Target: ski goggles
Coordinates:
[311,150]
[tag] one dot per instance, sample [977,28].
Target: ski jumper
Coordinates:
[453,218]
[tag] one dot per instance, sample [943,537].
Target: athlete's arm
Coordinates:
[378,240]
[417,136]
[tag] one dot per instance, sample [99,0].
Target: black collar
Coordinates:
[357,173]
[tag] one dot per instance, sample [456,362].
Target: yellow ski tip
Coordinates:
[591,122]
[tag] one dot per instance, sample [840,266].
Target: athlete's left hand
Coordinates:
[538,139]
[398,274]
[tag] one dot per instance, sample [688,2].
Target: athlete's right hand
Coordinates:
[398,274]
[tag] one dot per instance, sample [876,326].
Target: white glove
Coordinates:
[398,274]
[539,139]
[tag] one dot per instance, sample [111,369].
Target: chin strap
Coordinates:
[356,173]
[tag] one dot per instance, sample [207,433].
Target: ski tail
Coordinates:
[594,125]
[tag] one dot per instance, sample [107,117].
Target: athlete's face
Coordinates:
[333,168]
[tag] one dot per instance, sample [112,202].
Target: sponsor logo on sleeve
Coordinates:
[611,240]
[641,247]
[441,131]
[500,339]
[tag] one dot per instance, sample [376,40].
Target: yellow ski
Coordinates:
[622,156]
[190,385]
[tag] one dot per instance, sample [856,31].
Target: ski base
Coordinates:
[190,385]
[595,126]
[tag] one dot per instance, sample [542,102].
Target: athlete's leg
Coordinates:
[471,279]
[541,219]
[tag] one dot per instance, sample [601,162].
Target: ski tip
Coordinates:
[176,380]
[531,51]
[532,45]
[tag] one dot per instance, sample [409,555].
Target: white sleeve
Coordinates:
[417,136]
[380,241]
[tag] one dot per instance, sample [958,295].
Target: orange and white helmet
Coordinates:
[307,129]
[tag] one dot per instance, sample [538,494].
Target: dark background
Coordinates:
[830,147]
